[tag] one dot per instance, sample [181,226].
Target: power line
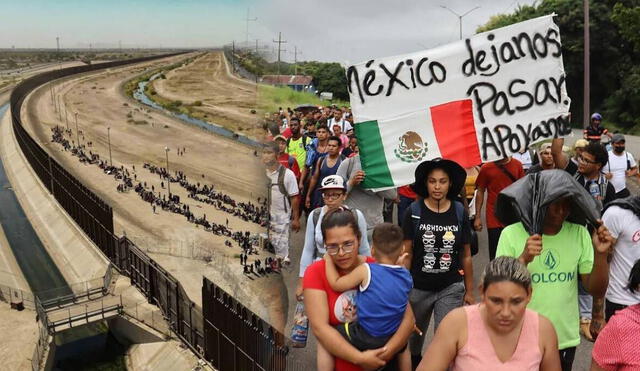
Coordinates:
[249,20]
[280,42]
[295,59]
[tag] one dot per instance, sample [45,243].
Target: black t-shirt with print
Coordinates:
[437,248]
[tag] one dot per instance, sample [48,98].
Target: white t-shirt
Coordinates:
[525,158]
[623,225]
[344,124]
[277,198]
[617,166]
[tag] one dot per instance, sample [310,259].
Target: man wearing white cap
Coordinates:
[621,165]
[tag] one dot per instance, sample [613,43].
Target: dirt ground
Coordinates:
[207,80]
[100,103]
[19,337]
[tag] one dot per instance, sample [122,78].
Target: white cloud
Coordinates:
[356,30]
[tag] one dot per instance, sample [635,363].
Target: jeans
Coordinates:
[566,358]
[402,207]
[387,211]
[585,301]
[493,235]
[439,303]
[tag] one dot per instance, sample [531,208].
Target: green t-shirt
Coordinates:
[555,274]
[296,148]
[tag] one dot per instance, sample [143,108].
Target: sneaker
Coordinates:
[585,324]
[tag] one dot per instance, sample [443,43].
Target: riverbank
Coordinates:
[204,90]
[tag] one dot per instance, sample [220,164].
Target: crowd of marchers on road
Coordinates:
[564,252]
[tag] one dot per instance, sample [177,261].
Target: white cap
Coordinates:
[333,182]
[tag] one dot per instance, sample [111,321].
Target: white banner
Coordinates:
[475,100]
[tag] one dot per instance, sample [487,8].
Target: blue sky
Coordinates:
[326,30]
[150,23]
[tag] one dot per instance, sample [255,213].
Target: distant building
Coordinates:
[295,82]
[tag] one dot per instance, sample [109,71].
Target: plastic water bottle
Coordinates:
[594,189]
[300,328]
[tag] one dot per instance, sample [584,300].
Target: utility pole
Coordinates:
[280,42]
[66,117]
[460,16]
[59,110]
[166,151]
[109,141]
[77,131]
[249,20]
[586,120]
[256,47]
[58,49]
[295,59]
[233,56]
[52,98]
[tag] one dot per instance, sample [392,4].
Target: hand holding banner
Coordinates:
[472,101]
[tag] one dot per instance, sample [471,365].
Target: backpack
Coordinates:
[304,141]
[416,215]
[601,184]
[280,183]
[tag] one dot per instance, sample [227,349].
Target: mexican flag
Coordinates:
[473,101]
[452,127]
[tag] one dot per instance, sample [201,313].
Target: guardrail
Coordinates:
[15,296]
[243,342]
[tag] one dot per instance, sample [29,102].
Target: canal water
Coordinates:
[141,97]
[42,275]
[91,347]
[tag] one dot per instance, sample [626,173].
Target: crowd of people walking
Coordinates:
[562,229]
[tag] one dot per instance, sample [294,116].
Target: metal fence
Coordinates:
[43,338]
[142,312]
[233,337]
[13,296]
[86,290]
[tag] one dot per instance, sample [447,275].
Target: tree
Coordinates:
[615,37]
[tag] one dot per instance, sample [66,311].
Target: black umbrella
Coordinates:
[305,108]
[527,199]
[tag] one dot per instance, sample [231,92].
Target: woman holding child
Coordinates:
[328,309]
[334,192]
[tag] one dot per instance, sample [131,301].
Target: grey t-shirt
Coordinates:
[368,202]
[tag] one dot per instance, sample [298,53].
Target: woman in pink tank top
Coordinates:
[499,333]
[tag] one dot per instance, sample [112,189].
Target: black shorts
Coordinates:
[359,337]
